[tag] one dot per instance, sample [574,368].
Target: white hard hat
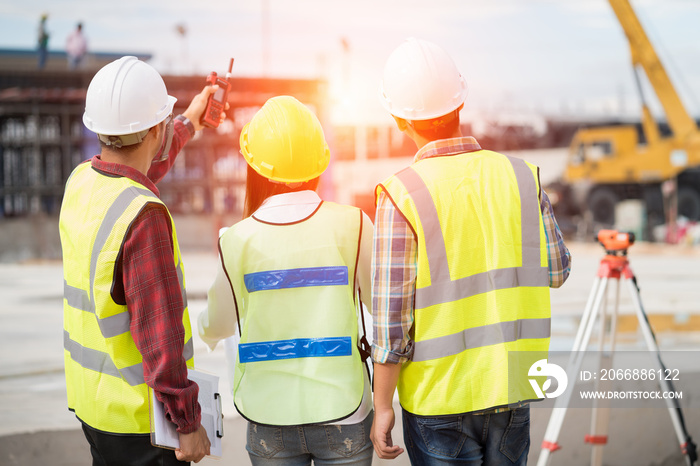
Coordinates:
[125,97]
[421,82]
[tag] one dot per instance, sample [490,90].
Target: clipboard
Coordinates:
[164,433]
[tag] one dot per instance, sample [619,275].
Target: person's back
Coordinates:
[294,267]
[468,233]
[482,285]
[298,275]
[121,260]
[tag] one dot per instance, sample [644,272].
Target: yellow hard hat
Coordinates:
[284,142]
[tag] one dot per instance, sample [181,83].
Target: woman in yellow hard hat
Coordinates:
[293,275]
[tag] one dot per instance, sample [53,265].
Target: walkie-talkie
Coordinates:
[217,101]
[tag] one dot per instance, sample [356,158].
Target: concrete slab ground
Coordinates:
[36,428]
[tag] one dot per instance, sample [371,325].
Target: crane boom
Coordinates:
[609,164]
[644,55]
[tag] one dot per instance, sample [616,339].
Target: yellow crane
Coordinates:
[610,164]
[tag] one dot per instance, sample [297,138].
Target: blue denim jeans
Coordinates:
[469,439]
[299,445]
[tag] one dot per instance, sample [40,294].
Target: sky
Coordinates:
[549,57]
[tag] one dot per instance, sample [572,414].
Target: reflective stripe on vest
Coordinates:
[443,290]
[296,348]
[295,278]
[118,323]
[100,361]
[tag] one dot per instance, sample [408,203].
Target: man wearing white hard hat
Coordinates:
[126,323]
[466,248]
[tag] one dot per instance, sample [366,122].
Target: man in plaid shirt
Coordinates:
[145,303]
[424,91]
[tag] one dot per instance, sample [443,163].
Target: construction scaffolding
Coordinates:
[42,139]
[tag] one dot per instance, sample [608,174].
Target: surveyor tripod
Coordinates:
[614,266]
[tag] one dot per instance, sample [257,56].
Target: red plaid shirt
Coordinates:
[146,281]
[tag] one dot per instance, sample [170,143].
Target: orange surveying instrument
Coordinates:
[217,101]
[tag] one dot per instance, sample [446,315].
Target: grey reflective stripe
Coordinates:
[115,211]
[497,279]
[427,212]
[115,325]
[529,212]
[133,374]
[477,337]
[109,326]
[181,279]
[76,297]
[188,350]
[99,361]
[442,288]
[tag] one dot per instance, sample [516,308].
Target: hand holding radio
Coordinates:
[216,102]
[197,107]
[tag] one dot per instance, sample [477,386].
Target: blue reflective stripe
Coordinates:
[296,278]
[297,348]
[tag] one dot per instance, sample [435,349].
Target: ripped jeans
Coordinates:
[299,445]
[468,439]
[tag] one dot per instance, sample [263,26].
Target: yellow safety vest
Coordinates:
[294,288]
[482,281]
[104,371]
